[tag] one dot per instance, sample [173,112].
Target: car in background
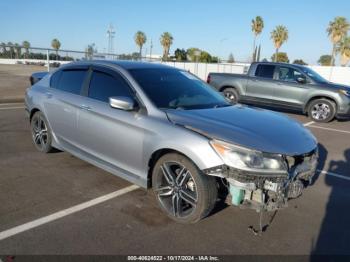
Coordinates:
[288,86]
[163,128]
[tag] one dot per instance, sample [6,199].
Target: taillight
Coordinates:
[208,79]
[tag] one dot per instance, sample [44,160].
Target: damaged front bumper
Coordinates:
[264,191]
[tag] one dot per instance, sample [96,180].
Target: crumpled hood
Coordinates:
[250,127]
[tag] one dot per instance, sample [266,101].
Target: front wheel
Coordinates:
[183,192]
[322,110]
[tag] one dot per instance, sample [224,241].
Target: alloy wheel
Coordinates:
[177,191]
[320,111]
[39,132]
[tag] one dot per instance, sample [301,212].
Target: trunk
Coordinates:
[140,54]
[333,55]
[56,54]
[276,54]
[254,53]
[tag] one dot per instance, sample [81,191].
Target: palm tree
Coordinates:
[26,46]
[257,27]
[344,50]
[279,36]
[56,45]
[337,29]
[140,39]
[166,40]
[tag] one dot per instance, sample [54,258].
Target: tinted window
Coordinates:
[172,88]
[265,71]
[288,74]
[54,79]
[103,86]
[71,81]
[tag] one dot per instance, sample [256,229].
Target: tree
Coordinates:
[279,35]
[205,57]
[257,27]
[299,62]
[26,46]
[56,45]
[344,50]
[18,50]
[12,50]
[281,57]
[180,54]
[231,59]
[140,39]
[257,59]
[191,53]
[325,60]
[166,40]
[337,30]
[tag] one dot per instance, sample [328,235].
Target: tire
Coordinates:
[322,110]
[41,133]
[182,191]
[231,94]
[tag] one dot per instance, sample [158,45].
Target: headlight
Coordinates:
[249,160]
[344,92]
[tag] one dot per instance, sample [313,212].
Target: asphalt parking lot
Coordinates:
[34,185]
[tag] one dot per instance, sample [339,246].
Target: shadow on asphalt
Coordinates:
[334,236]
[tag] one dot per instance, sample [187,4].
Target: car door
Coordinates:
[287,90]
[62,102]
[260,87]
[113,137]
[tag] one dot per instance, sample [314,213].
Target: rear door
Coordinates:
[260,87]
[62,103]
[111,136]
[287,90]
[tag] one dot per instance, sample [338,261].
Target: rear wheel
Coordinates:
[322,110]
[231,94]
[41,132]
[182,191]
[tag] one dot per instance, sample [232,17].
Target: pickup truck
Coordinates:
[288,86]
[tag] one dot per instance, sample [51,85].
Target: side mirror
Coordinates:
[301,80]
[122,102]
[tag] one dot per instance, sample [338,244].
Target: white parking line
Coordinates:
[9,108]
[331,129]
[309,123]
[333,174]
[38,222]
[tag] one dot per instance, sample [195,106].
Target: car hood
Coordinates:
[250,127]
[334,86]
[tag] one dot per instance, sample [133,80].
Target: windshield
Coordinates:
[176,89]
[313,75]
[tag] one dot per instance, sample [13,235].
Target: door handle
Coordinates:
[85,107]
[48,95]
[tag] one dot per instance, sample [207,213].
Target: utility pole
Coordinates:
[110,35]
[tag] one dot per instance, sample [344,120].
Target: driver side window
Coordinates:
[288,74]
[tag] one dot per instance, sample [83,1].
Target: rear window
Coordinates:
[265,71]
[71,80]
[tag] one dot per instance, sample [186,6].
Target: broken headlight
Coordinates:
[249,160]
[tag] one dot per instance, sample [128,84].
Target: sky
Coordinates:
[220,27]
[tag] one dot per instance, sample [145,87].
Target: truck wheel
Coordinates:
[182,191]
[231,94]
[322,110]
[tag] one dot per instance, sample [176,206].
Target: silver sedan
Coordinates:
[164,128]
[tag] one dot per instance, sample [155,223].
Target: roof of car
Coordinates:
[127,65]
